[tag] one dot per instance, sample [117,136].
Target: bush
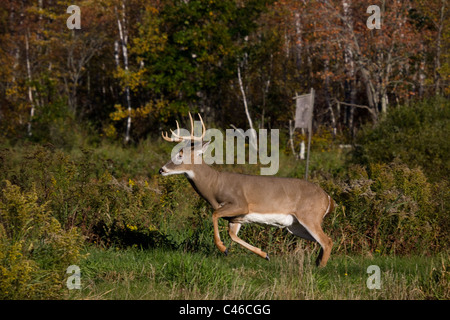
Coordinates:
[386,208]
[34,250]
[416,134]
[81,191]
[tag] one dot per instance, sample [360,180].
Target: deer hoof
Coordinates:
[225,252]
[267,257]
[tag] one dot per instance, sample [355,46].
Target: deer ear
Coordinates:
[204,148]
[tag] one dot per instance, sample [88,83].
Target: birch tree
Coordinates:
[253,140]
[123,36]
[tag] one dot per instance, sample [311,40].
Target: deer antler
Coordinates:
[178,138]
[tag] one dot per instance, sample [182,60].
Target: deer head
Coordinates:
[190,154]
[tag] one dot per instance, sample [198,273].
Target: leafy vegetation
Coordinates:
[415,134]
[34,249]
[387,208]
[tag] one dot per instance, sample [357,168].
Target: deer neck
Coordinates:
[204,180]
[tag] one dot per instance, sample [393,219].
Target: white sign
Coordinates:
[304,111]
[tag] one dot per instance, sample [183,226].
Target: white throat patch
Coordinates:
[188,173]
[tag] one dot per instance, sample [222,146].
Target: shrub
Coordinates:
[386,208]
[81,191]
[416,134]
[34,250]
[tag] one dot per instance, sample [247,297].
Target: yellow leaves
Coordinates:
[119,114]
[11,91]
[152,9]
[131,227]
[144,111]
[16,273]
[26,228]
[138,113]
[150,39]
[110,131]
[122,113]
[130,79]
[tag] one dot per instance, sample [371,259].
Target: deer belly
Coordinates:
[271,219]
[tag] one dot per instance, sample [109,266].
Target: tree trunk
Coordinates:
[298,44]
[422,75]
[437,62]
[30,90]
[328,98]
[253,143]
[123,34]
[371,94]
[384,103]
[291,138]
[302,147]
[116,53]
[349,62]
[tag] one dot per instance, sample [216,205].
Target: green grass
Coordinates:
[165,274]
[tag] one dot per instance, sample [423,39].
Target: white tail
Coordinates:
[298,205]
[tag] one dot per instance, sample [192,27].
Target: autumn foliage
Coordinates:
[135,65]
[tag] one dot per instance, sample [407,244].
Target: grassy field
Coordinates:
[166,274]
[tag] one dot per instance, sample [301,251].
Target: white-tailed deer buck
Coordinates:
[298,205]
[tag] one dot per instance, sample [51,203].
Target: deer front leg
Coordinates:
[223,212]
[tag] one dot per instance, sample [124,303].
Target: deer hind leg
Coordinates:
[219,244]
[233,229]
[326,243]
[314,232]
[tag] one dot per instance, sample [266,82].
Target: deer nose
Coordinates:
[161,171]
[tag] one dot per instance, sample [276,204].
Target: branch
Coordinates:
[355,105]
